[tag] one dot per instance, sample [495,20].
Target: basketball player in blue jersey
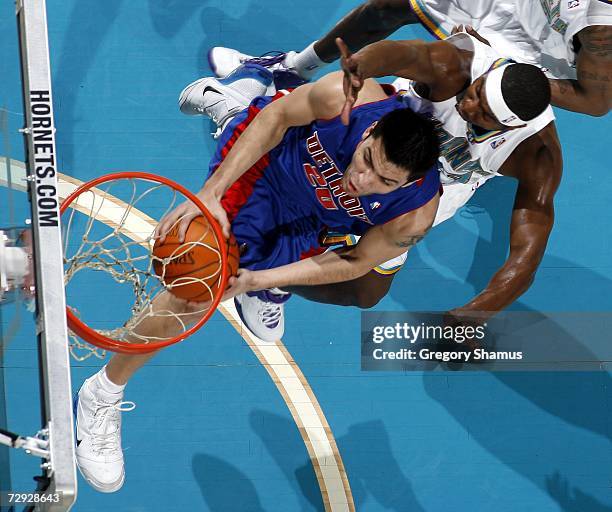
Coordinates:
[501,125]
[285,170]
[570,39]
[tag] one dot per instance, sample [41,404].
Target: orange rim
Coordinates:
[82,330]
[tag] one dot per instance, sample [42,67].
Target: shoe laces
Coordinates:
[270,313]
[105,430]
[267,59]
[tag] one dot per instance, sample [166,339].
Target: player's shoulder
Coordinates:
[327,94]
[595,39]
[444,51]
[545,139]
[450,65]
[538,153]
[328,87]
[417,220]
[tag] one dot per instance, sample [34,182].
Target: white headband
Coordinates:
[496,101]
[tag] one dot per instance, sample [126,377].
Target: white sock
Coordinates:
[306,62]
[108,385]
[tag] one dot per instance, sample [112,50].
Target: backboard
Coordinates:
[32,211]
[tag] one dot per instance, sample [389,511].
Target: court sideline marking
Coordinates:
[274,357]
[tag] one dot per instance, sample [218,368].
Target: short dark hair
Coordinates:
[526,90]
[409,141]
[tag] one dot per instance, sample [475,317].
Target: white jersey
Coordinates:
[468,156]
[539,32]
[555,23]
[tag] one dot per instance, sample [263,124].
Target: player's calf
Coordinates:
[99,403]
[364,292]
[388,15]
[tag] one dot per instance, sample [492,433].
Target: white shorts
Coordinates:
[495,20]
[599,13]
[455,196]
[509,26]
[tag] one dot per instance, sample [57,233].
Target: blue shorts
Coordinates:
[276,232]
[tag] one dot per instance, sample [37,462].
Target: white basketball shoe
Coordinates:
[98,435]
[263,312]
[222,99]
[223,60]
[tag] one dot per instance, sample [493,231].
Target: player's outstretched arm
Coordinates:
[414,59]
[592,92]
[537,164]
[379,244]
[433,64]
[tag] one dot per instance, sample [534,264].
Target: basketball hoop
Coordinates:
[108,229]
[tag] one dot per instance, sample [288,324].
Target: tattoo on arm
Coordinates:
[597,39]
[562,86]
[410,241]
[597,77]
[591,93]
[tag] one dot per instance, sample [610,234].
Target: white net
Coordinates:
[111,273]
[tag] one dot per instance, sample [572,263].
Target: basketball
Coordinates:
[192,270]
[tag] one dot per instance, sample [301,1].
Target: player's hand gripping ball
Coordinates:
[192,270]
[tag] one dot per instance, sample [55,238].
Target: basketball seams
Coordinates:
[204,251]
[195,271]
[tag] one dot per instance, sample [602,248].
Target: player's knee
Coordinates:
[368,300]
[599,109]
[389,14]
[370,289]
[370,296]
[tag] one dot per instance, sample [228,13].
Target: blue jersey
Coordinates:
[281,206]
[311,160]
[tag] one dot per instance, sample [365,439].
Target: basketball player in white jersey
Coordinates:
[570,39]
[482,136]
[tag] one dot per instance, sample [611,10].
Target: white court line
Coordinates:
[275,358]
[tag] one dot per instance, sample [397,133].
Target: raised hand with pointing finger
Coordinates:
[353,79]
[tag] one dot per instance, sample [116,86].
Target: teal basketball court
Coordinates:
[225,424]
